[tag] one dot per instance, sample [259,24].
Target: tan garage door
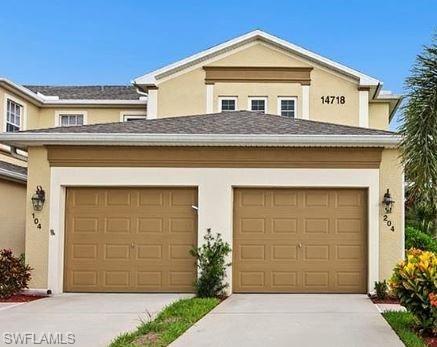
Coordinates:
[130,239]
[300,240]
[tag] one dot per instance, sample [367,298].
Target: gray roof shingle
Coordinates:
[108,92]
[237,122]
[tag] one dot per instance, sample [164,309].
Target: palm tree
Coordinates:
[419,130]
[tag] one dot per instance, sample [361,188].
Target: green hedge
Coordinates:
[415,238]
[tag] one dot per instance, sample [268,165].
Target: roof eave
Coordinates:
[25,140]
[13,176]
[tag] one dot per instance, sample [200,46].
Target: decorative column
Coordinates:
[152,103]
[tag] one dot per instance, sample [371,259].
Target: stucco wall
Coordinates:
[37,239]
[12,215]
[379,115]
[391,242]
[185,92]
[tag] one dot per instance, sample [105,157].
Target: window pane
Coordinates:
[79,120]
[228,105]
[288,107]
[258,105]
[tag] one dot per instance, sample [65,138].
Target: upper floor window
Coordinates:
[14,115]
[128,117]
[67,120]
[287,106]
[258,104]
[227,104]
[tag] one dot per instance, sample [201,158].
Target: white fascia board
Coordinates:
[13,176]
[365,80]
[23,140]
[23,90]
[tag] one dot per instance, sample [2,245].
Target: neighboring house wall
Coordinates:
[12,216]
[185,92]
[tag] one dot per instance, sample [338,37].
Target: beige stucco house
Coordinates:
[284,152]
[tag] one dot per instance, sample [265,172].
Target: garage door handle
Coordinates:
[300,245]
[195,207]
[132,245]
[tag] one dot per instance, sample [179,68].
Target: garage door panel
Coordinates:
[300,240]
[130,239]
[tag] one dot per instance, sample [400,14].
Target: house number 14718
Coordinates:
[36,221]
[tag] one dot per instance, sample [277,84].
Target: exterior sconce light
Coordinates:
[38,199]
[388,202]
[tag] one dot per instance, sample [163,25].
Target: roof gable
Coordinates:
[152,77]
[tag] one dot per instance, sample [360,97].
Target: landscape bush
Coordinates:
[414,282]
[14,274]
[212,264]
[414,238]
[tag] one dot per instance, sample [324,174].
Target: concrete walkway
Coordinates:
[92,319]
[292,320]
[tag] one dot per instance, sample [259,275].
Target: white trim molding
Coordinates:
[132,115]
[59,113]
[215,196]
[263,98]
[22,103]
[363,108]
[281,98]
[305,102]
[209,98]
[152,104]
[221,98]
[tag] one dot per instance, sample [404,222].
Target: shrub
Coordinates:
[414,238]
[381,289]
[414,281]
[211,261]
[14,274]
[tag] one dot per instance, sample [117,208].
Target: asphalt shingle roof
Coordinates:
[103,92]
[239,122]
[13,168]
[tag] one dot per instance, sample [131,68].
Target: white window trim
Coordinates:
[58,114]
[281,98]
[235,98]
[132,115]
[264,98]
[23,125]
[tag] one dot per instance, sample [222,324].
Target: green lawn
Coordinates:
[402,323]
[170,323]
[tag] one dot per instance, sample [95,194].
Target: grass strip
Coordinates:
[403,323]
[170,323]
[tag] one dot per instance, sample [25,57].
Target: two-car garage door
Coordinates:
[284,240]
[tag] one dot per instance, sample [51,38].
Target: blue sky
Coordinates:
[95,42]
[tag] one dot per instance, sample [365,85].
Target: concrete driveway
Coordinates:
[92,319]
[292,320]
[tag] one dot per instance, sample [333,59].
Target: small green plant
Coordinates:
[14,274]
[211,261]
[414,282]
[414,238]
[381,289]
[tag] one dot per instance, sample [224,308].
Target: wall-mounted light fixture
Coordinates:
[388,202]
[38,199]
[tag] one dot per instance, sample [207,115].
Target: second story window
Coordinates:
[67,120]
[258,104]
[227,104]
[129,117]
[287,107]
[14,114]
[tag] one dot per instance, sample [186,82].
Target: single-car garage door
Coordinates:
[300,240]
[130,239]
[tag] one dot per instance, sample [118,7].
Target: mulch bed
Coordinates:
[385,301]
[23,298]
[431,341]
